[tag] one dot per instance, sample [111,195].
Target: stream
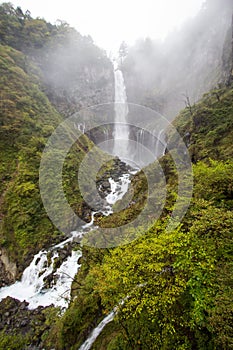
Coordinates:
[43,283]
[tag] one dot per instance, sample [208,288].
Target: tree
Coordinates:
[123,50]
[168,283]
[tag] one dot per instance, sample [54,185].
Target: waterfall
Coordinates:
[80,127]
[118,189]
[121,129]
[43,283]
[32,286]
[138,133]
[149,146]
[96,332]
[159,143]
[139,157]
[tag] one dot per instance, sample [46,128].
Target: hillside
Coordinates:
[33,103]
[179,283]
[192,293]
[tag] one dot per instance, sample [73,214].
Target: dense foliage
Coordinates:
[27,119]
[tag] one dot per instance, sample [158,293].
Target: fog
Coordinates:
[109,22]
[166,75]
[182,49]
[76,72]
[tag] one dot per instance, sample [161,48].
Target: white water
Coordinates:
[121,129]
[80,127]
[32,286]
[148,149]
[118,189]
[95,333]
[159,143]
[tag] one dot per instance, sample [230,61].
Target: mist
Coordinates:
[110,23]
[76,72]
[166,75]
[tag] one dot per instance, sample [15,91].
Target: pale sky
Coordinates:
[110,22]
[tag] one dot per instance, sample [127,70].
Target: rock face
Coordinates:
[92,86]
[76,75]
[8,270]
[227,56]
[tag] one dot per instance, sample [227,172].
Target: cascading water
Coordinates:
[118,189]
[32,286]
[43,284]
[96,332]
[159,144]
[149,146]
[121,129]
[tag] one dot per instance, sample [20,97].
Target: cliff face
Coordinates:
[92,87]
[8,269]
[75,75]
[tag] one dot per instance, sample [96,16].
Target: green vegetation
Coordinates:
[28,118]
[175,287]
[208,130]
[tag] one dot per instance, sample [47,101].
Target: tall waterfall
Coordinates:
[121,129]
[147,146]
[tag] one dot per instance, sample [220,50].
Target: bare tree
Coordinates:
[188,103]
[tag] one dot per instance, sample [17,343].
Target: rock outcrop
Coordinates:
[8,269]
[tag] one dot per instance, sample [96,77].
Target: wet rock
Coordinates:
[48,281]
[63,254]
[106,185]
[115,171]
[37,261]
